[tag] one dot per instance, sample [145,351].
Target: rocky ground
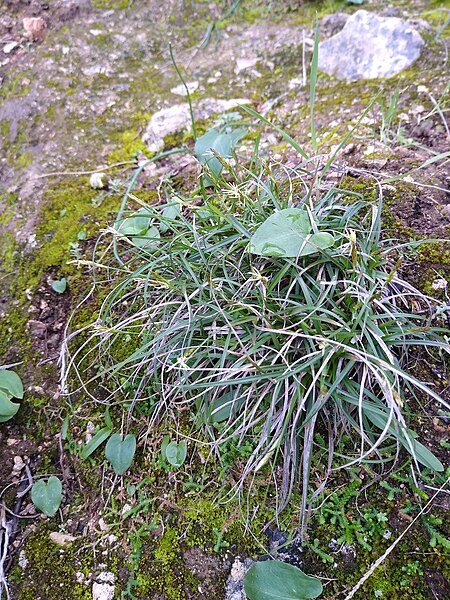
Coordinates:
[82,85]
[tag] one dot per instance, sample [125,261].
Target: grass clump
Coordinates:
[268,348]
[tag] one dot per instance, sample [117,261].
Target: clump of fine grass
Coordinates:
[270,349]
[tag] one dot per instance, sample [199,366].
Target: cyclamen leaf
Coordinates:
[59,285]
[7,408]
[222,408]
[287,233]
[120,453]
[147,239]
[171,211]
[222,142]
[11,383]
[276,580]
[47,496]
[176,453]
[137,224]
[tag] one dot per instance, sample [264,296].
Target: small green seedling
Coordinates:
[59,285]
[10,387]
[47,496]
[120,452]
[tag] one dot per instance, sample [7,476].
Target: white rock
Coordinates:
[35,28]
[177,117]
[180,90]
[98,181]
[62,539]
[243,64]
[370,47]
[103,591]
[235,582]
[23,560]
[439,284]
[103,525]
[106,577]
[8,48]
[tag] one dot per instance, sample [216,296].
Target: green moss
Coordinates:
[15,85]
[51,571]
[121,4]
[129,143]
[25,159]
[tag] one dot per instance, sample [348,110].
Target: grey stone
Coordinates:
[178,117]
[370,47]
[235,582]
[331,24]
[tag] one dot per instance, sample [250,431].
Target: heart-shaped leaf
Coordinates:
[139,229]
[287,233]
[59,285]
[47,496]
[222,142]
[176,453]
[120,452]
[276,580]
[137,224]
[7,408]
[147,239]
[11,383]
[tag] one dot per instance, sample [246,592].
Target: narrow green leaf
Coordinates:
[422,454]
[101,436]
[280,131]
[65,427]
[108,421]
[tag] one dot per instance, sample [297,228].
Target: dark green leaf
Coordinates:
[120,453]
[47,496]
[276,580]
